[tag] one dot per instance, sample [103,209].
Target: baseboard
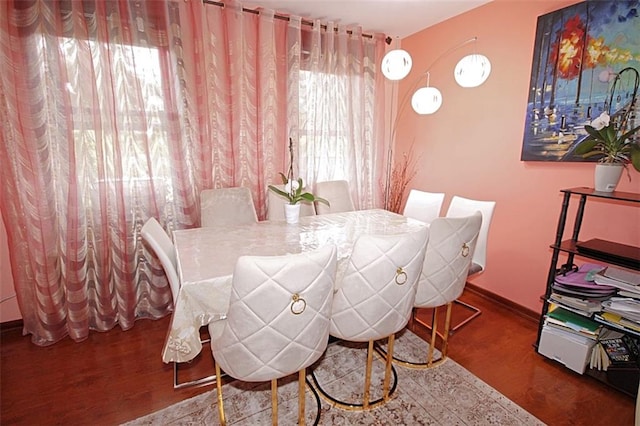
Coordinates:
[512,306]
[11,325]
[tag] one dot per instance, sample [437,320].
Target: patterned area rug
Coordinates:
[445,395]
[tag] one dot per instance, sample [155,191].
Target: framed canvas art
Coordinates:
[586,60]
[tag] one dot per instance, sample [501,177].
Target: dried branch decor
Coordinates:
[402,173]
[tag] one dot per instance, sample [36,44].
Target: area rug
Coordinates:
[445,395]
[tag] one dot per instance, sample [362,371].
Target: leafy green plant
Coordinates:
[293,188]
[607,141]
[293,191]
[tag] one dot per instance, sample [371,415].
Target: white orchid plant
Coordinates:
[610,143]
[294,188]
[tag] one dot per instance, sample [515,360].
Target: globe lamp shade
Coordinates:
[426,100]
[472,70]
[396,64]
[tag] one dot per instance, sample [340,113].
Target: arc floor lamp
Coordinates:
[471,71]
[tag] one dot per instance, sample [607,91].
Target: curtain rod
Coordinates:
[286,18]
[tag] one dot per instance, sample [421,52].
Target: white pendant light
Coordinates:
[396,64]
[426,100]
[472,70]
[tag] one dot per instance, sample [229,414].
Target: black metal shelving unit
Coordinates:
[571,249]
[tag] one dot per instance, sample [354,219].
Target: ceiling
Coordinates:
[396,18]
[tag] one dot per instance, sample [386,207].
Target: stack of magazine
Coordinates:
[622,311]
[562,319]
[577,291]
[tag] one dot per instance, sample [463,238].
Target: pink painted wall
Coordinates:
[471,147]
[8,306]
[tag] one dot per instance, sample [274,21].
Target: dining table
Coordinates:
[206,258]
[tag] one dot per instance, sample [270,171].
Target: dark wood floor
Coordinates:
[118,376]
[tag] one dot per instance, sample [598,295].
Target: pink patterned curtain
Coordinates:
[114,111]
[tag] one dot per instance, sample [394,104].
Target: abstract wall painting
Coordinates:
[586,61]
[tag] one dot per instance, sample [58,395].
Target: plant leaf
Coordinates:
[585,146]
[278,191]
[635,157]
[322,200]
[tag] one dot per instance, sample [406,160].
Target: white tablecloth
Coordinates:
[207,256]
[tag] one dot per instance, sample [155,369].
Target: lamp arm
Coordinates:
[403,103]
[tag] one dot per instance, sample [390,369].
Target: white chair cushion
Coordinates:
[369,304]
[262,338]
[446,264]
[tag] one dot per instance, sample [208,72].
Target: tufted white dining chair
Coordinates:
[459,207]
[275,205]
[278,320]
[423,206]
[227,206]
[153,233]
[452,242]
[338,194]
[374,299]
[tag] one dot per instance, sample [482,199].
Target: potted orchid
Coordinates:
[294,191]
[614,147]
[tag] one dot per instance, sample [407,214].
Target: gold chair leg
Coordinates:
[434,334]
[367,376]
[433,327]
[302,380]
[447,325]
[274,402]
[387,370]
[223,421]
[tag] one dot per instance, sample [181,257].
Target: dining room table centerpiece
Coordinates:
[294,191]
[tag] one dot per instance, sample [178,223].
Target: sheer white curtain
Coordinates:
[341,109]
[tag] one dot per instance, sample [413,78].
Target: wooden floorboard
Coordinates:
[118,376]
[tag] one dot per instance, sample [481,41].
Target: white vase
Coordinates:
[607,176]
[292,212]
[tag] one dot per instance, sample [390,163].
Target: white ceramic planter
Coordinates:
[607,176]
[292,213]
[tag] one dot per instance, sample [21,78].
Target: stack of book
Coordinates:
[617,354]
[627,281]
[570,322]
[577,291]
[621,312]
[610,349]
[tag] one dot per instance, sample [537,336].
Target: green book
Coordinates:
[574,321]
